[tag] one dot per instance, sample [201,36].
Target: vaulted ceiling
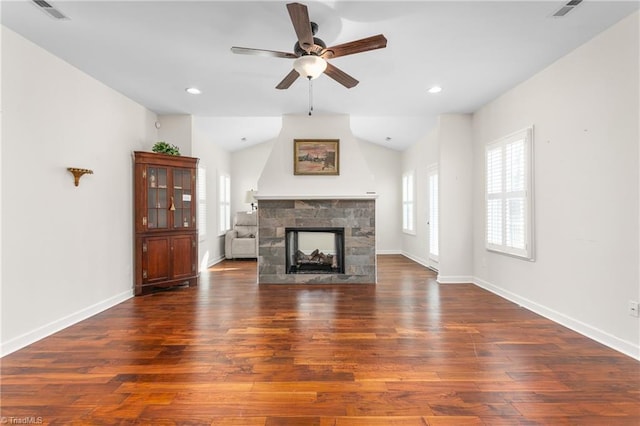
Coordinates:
[151,51]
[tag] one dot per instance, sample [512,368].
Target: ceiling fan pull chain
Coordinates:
[310,96]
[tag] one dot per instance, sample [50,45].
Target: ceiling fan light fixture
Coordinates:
[310,66]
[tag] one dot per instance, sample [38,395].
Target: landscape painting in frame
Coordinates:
[316,157]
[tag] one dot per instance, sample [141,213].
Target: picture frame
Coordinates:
[316,157]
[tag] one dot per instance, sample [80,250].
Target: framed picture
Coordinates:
[316,157]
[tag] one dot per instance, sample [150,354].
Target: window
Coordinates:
[434,243]
[224,203]
[509,194]
[408,204]
[202,203]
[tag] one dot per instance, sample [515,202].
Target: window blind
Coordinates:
[434,243]
[202,202]
[408,204]
[224,197]
[508,194]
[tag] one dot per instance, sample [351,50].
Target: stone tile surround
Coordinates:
[356,216]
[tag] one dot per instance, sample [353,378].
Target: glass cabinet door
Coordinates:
[157,198]
[182,196]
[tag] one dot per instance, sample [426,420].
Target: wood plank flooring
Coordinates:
[404,352]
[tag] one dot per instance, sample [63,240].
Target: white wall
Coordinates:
[246,167]
[455,198]
[585,111]
[67,252]
[277,178]
[177,129]
[418,158]
[385,164]
[448,146]
[216,161]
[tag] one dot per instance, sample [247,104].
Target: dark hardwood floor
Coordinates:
[404,352]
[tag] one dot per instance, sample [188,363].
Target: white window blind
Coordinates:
[434,243]
[509,225]
[224,203]
[408,204]
[202,202]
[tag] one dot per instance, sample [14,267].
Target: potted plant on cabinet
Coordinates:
[163,147]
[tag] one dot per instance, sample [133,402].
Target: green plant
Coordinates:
[164,148]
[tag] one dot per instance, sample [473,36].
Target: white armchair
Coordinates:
[242,241]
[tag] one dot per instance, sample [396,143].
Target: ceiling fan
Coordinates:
[311,53]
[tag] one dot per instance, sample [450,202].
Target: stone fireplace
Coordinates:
[316,241]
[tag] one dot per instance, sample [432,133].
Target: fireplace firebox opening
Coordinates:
[314,250]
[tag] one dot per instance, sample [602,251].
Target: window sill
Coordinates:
[527,257]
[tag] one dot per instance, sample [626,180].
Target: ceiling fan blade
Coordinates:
[340,76]
[363,45]
[301,23]
[262,52]
[288,80]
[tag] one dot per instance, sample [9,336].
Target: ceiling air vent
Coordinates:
[566,8]
[50,10]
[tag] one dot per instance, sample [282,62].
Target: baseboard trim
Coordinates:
[620,345]
[454,279]
[215,261]
[388,252]
[416,259]
[54,326]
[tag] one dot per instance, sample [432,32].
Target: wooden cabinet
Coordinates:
[166,242]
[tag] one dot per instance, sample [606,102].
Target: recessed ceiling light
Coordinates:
[193,90]
[435,89]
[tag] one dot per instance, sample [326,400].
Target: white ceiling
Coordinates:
[152,50]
